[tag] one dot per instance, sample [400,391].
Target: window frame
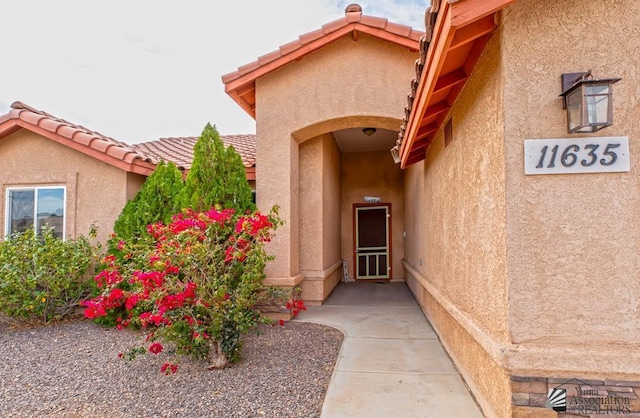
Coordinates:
[35,189]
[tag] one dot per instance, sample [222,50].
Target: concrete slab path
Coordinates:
[391,363]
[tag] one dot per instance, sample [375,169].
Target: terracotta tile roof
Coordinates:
[456,34]
[101,147]
[240,84]
[180,150]
[136,158]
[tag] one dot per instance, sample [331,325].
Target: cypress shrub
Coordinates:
[217,176]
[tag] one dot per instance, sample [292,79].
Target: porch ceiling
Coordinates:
[354,140]
[457,32]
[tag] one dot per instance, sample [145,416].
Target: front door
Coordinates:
[372,223]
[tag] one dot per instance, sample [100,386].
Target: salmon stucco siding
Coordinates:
[456,234]
[96,192]
[339,91]
[531,280]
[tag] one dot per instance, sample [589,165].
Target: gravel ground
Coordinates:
[73,370]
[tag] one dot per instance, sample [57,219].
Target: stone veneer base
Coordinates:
[584,397]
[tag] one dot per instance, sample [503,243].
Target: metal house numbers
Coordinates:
[572,155]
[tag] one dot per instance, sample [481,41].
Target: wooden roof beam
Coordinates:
[466,12]
[473,31]
[425,131]
[243,91]
[449,80]
[422,143]
[436,109]
[416,157]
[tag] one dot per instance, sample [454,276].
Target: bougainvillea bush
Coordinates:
[194,287]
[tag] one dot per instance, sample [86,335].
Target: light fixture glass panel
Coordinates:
[597,98]
[574,100]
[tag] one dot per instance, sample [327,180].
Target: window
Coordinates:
[35,207]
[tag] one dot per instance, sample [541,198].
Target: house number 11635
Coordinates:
[585,155]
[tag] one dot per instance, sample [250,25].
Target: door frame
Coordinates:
[389,238]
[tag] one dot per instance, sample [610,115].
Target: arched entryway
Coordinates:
[345,173]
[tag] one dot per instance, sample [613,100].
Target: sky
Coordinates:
[139,70]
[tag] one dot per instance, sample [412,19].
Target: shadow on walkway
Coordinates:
[391,362]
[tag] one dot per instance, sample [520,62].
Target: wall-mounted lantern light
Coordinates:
[588,101]
[395,152]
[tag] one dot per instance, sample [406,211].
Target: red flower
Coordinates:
[228,254]
[155,348]
[172,270]
[295,306]
[131,301]
[169,368]
[94,308]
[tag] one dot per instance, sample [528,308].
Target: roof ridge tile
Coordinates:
[353,17]
[333,26]
[267,58]
[399,29]
[75,133]
[373,21]
[290,47]
[311,36]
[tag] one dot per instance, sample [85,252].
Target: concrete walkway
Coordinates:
[391,363]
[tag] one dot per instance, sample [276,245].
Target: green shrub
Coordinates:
[216,177]
[156,201]
[42,277]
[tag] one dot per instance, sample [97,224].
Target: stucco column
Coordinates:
[277,184]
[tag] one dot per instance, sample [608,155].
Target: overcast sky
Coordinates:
[138,70]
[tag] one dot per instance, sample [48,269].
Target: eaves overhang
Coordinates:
[79,138]
[456,33]
[240,85]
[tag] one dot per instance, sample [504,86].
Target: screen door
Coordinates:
[372,259]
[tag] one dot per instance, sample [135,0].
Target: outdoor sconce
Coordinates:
[369,131]
[588,101]
[395,152]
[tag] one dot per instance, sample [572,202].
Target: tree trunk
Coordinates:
[216,357]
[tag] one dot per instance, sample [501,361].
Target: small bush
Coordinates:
[199,286]
[156,201]
[42,277]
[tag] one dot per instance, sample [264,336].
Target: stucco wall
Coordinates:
[320,216]
[333,88]
[331,206]
[134,184]
[372,174]
[488,380]
[311,205]
[573,239]
[95,191]
[456,222]
[455,249]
